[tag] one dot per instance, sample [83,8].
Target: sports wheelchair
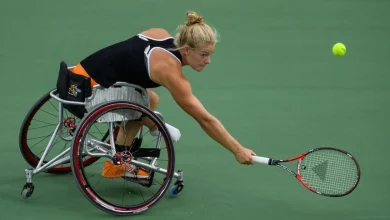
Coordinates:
[86,121]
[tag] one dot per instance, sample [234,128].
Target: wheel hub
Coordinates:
[123,157]
[70,124]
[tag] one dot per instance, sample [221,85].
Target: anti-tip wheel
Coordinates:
[27,190]
[176,189]
[173,191]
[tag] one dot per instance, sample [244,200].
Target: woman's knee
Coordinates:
[153,99]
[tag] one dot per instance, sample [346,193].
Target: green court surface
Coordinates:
[273,82]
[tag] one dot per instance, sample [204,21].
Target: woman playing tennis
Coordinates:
[154,58]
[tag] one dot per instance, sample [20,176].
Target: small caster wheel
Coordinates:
[27,190]
[175,190]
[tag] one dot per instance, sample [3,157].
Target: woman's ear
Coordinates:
[186,49]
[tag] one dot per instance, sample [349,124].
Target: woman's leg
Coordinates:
[130,129]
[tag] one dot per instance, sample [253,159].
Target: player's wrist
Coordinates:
[237,148]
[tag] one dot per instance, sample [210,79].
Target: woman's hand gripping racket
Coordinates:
[326,171]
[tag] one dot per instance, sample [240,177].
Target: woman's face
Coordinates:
[199,58]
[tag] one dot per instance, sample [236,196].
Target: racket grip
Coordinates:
[262,160]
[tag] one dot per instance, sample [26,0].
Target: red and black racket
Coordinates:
[326,171]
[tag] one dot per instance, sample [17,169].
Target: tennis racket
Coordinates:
[326,171]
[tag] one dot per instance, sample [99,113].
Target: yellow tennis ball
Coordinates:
[339,49]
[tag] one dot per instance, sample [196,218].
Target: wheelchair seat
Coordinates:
[77,88]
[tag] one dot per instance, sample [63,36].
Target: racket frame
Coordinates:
[273,162]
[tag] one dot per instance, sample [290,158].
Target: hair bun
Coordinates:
[193,18]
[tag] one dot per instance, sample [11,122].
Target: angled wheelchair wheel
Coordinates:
[132,178]
[38,127]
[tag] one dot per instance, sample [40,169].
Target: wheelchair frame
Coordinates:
[102,148]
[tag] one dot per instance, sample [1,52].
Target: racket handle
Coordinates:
[262,160]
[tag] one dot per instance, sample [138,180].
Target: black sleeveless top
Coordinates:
[126,61]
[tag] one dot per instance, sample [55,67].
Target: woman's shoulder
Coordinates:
[156,33]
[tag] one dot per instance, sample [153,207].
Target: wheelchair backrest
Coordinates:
[71,86]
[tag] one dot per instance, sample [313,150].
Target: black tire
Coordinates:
[81,177]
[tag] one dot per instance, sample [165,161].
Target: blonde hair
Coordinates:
[195,33]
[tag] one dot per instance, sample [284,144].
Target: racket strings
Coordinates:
[329,172]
